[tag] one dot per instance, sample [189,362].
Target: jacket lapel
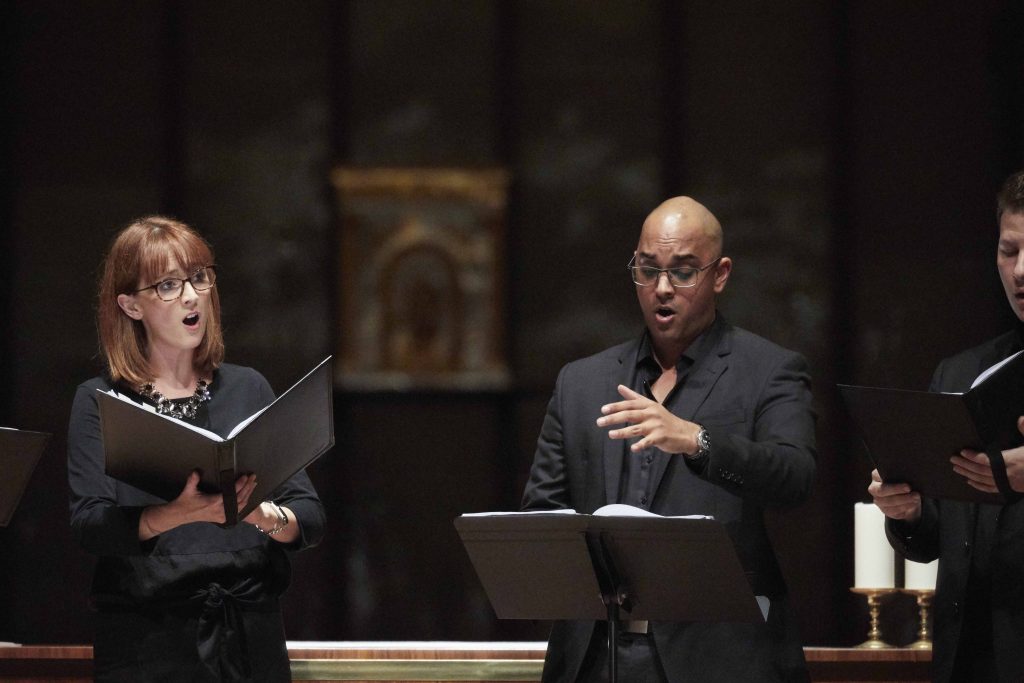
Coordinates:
[614,450]
[695,390]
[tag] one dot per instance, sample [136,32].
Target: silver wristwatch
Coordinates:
[703,444]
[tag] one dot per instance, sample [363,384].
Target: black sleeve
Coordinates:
[297,494]
[917,541]
[776,467]
[547,487]
[97,522]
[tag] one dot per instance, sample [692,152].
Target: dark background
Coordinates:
[851,150]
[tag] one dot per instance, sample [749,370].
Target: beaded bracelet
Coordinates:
[282,521]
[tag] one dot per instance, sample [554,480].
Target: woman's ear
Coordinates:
[130,306]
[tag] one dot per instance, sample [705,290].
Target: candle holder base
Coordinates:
[874,597]
[924,601]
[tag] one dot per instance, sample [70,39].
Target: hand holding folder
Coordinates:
[911,435]
[157,454]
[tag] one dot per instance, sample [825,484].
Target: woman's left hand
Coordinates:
[192,505]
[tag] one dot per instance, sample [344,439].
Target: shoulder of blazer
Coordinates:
[990,352]
[743,343]
[957,372]
[615,356]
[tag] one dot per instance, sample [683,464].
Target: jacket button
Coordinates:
[967,546]
[956,608]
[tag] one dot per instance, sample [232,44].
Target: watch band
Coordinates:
[703,444]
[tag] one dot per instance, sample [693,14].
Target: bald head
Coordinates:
[681,272]
[686,219]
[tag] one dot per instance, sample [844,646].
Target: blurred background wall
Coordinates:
[851,150]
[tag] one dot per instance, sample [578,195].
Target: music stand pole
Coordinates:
[612,602]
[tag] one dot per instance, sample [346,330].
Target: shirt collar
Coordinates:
[694,353]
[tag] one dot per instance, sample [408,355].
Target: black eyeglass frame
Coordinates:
[213,281]
[695,270]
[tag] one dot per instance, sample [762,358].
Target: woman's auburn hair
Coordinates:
[139,254]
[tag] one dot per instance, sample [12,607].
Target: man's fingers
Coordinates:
[976,463]
[898,501]
[888,490]
[630,432]
[987,488]
[620,417]
[906,505]
[620,406]
[626,392]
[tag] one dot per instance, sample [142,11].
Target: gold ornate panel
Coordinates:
[421,278]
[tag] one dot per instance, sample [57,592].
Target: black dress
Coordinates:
[198,602]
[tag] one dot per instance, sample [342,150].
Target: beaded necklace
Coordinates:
[169,407]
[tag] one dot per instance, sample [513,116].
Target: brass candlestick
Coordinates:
[924,601]
[874,596]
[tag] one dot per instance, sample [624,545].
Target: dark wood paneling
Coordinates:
[851,150]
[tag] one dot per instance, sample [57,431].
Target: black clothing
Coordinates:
[979,595]
[753,397]
[212,590]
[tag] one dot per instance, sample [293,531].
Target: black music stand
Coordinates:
[572,566]
[19,452]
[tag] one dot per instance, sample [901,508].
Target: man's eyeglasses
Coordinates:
[171,288]
[683,276]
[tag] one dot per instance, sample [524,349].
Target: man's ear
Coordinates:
[722,271]
[130,306]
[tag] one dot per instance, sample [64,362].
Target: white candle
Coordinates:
[919,576]
[873,556]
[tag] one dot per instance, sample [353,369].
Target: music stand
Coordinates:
[572,566]
[19,452]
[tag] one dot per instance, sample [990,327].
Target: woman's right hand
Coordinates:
[896,501]
[192,505]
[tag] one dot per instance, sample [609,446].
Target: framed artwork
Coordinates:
[421,278]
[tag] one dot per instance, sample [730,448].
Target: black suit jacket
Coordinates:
[754,399]
[946,531]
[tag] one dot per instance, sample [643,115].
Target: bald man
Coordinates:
[694,416]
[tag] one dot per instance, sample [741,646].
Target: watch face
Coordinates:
[704,440]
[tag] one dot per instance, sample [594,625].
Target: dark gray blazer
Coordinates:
[946,531]
[754,399]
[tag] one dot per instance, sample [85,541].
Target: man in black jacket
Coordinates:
[979,602]
[694,416]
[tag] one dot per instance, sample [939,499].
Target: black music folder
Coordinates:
[569,566]
[911,435]
[156,453]
[20,450]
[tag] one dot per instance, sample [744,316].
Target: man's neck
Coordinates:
[667,357]
[668,352]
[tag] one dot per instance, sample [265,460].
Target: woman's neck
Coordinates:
[174,375]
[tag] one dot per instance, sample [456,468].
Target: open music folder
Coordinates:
[20,451]
[156,453]
[911,435]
